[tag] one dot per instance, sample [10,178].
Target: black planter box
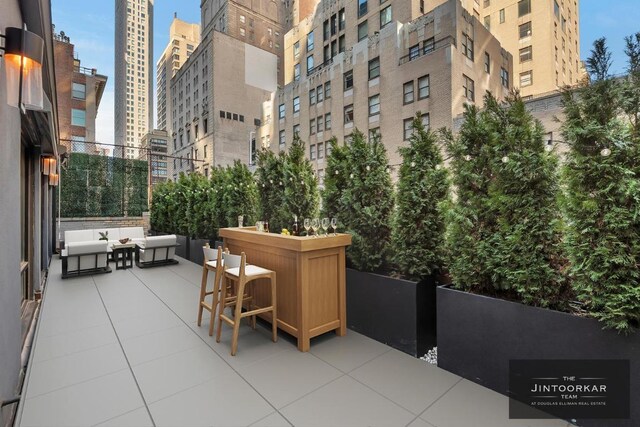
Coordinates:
[184,247]
[396,312]
[478,335]
[195,250]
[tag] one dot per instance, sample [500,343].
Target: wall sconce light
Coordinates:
[54,179]
[23,52]
[49,165]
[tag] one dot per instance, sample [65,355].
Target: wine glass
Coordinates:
[325,226]
[307,225]
[334,225]
[315,224]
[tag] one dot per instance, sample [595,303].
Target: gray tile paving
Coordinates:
[123,349]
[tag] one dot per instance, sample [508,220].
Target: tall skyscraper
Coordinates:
[134,74]
[183,39]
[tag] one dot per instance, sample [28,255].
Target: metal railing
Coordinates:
[427,49]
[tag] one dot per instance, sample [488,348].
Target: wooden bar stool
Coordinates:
[240,274]
[212,259]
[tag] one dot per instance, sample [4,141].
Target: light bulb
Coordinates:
[337,173]
[605,152]
[505,159]
[351,176]
[368,168]
[467,157]
[413,164]
[548,148]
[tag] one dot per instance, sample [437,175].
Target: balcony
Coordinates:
[124,349]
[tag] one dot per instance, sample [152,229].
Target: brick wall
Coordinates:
[104,222]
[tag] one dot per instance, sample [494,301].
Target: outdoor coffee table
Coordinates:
[123,255]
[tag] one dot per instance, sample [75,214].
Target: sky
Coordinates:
[91,25]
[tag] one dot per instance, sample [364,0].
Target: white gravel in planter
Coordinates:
[431,356]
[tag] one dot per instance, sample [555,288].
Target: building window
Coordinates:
[312,127]
[407,129]
[242,32]
[525,30]
[296,72]
[327,121]
[487,22]
[374,68]
[526,54]
[524,8]
[556,9]
[281,111]
[296,50]
[414,52]
[385,16]
[296,104]
[348,114]
[321,150]
[426,121]
[78,117]
[342,23]
[312,97]
[362,8]
[429,45]
[363,30]
[467,46]
[319,124]
[310,43]
[242,19]
[487,62]
[423,87]
[79,91]
[348,80]
[296,129]
[504,77]
[407,92]
[502,16]
[374,105]
[526,78]
[327,90]
[206,126]
[309,64]
[320,93]
[312,152]
[341,43]
[282,144]
[469,88]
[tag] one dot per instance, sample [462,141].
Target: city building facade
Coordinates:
[133,74]
[184,37]
[29,135]
[153,149]
[542,35]
[373,66]
[79,91]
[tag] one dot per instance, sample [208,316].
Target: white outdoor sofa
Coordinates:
[136,234]
[80,258]
[156,250]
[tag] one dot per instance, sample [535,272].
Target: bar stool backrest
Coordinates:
[210,254]
[232,261]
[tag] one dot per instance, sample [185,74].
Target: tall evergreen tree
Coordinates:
[271,181]
[602,198]
[368,203]
[505,227]
[241,195]
[300,184]
[418,233]
[335,180]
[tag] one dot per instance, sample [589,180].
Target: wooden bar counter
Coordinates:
[310,279]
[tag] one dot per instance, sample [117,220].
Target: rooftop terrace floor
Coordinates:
[123,349]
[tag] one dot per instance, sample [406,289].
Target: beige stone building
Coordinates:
[367,65]
[79,91]
[543,37]
[184,37]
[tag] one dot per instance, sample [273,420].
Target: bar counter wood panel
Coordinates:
[310,279]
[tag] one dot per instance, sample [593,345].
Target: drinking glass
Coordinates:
[334,225]
[240,220]
[307,225]
[325,226]
[315,224]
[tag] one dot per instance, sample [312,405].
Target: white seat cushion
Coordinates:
[249,270]
[78,236]
[212,263]
[131,232]
[159,241]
